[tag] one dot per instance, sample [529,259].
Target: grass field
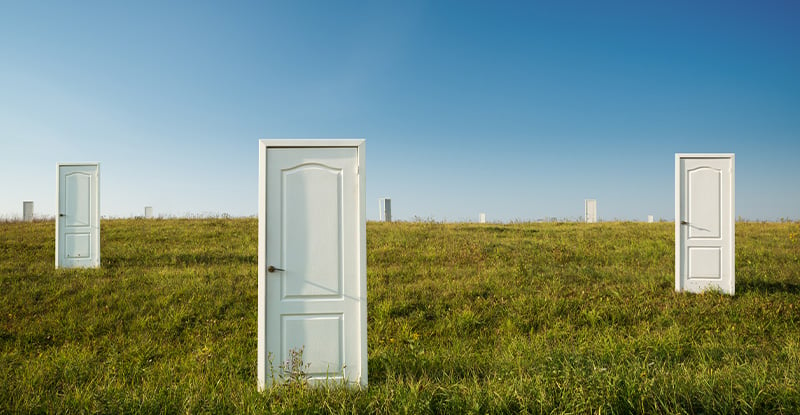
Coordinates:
[539,318]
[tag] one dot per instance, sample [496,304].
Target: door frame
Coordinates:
[262,369]
[96,207]
[679,279]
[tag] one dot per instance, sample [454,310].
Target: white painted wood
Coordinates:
[27,211]
[704,222]
[590,210]
[312,225]
[148,212]
[78,215]
[482,218]
[385,209]
[649,218]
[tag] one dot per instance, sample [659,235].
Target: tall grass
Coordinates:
[463,318]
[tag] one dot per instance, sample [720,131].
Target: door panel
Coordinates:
[313,304]
[312,243]
[321,339]
[705,207]
[78,199]
[78,220]
[705,262]
[704,227]
[78,245]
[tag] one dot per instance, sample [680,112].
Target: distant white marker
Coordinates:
[590,210]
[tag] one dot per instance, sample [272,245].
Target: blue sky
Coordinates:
[517,109]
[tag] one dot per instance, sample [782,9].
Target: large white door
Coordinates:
[78,219]
[312,261]
[704,222]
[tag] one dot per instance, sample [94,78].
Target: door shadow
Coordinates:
[769,287]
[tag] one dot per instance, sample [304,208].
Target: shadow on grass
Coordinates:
[767,287]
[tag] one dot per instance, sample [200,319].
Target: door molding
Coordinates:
[263,364]
[95,221]
[680,279]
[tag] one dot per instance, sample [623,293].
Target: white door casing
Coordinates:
[704,222]
[312,260]
[78,215]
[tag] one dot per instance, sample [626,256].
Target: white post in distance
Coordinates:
[649,218]
[27,211]
[385,209]
[590,210]
[148,212]
[482,218]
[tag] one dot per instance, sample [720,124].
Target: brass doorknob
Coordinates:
[273,269]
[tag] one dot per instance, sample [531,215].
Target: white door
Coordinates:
[312,261]
[590,210]
[704,222]
[78,219]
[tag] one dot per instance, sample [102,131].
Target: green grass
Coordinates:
[539,318]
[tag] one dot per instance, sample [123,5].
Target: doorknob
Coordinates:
[61,214]
[683,222]
[273,269]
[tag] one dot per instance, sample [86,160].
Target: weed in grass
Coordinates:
[294,370]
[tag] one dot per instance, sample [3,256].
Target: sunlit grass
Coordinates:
[541,318]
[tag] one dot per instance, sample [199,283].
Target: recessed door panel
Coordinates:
[318,341]
[78,246]
[312,250]
[312,271]
[704,222]
[78,220]
[704,203]
[78,203]
[705,262]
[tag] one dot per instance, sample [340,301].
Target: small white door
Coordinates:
[312,261]
[590,210]
[78,219]
[704,222]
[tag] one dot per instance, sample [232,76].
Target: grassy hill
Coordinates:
[539,318]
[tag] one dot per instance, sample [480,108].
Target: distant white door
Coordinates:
[590,210]
[385,209]
[312,261]
[78,220]
[704,222]
[27,211]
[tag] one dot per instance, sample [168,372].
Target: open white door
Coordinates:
[312,261]
[704,222]
[78,218]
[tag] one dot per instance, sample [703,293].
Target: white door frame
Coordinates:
[263,364]
[681,227]
[95,220]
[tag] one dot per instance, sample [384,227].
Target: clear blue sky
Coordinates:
[517,109]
